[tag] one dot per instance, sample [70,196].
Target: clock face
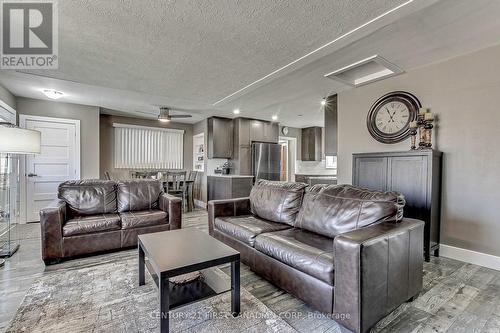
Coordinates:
[389,118]
[392,117]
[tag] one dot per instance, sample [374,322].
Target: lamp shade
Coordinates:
[14,140]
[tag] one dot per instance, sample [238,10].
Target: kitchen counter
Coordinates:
[322,177]
[316,179]
[315,175]
[230,176]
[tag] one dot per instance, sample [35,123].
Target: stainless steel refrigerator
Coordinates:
[266,160]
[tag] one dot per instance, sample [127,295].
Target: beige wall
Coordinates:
[107,141]
[7,97]
[89,123]
[463,92]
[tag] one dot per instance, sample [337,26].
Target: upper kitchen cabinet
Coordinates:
[264,131]
[311,144]
[331,126]
[220,137]
[271,132]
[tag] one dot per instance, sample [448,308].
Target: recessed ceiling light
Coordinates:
[323,102]
[236,111]
[52,94]
[275,117]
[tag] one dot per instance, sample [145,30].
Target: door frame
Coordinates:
[22,160]
[292,148]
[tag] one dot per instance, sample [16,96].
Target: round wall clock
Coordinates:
[389,118]
[284,130]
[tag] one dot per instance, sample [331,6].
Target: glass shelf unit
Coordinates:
[9,202]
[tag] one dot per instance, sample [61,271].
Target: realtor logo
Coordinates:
[29,34]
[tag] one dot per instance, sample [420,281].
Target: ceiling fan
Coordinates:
[165,115]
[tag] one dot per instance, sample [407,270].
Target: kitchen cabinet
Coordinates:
[221,187]
[220,137]
[417,175]
[315,179]
[331,126]
[245,132]
[264,131]
[311,144]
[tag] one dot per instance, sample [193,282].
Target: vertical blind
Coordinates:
[139,147]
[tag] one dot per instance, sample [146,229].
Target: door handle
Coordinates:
[32,175]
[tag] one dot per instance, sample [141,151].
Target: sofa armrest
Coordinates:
[229,207]
[377,268]
[173,206]
[52,219]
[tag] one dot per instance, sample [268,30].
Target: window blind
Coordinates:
[139,147]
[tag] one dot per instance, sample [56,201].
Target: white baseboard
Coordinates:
[473,257]
[200,204]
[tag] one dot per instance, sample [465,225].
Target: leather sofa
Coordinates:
[344,250]
[92,216]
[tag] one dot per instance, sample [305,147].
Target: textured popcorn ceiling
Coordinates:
[133,55]
[196,50]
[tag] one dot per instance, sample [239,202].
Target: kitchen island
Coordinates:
[228,186]
[316,179]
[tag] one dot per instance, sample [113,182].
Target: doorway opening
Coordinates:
[288,157]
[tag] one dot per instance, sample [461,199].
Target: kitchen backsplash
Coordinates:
[314,168]
[213,163]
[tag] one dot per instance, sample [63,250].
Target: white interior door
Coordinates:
[58,161]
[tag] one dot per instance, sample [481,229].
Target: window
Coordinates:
[139,147]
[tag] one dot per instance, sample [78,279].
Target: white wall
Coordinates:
[464,93]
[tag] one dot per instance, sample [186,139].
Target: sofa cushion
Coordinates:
[138,195]
[82,225]
[303,250]
[143,218]
[334,209]
[277,201]
[88,197]
[245,228]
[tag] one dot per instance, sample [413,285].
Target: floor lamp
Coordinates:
[14,141]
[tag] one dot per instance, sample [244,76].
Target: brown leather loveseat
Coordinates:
[100,215]
[346,251]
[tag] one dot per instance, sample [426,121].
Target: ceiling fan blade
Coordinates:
[180,116]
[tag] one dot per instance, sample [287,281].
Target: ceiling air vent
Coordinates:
[365,71]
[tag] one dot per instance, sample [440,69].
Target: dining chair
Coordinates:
[177,186]
[192,178]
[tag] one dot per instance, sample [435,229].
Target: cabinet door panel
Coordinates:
[256,130]
[408,175]
[220,138]
[271,132]
[245,160]
[371,172]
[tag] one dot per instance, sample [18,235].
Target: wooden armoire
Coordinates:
[416,174]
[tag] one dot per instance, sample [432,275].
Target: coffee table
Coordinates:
[171,253]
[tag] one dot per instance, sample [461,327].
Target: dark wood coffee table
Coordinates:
[176,252]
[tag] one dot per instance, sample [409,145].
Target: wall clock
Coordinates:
[284,130]
[389,117]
